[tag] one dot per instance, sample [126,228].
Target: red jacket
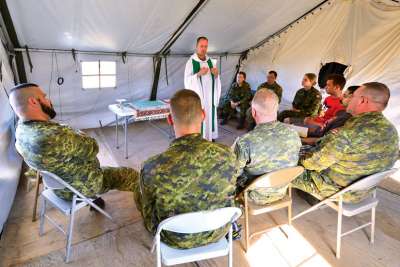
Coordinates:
[332,104]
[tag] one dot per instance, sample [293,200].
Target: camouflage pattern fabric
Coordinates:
[368,143]
[269,147]
[240,94]
[307,101]
[275,87]
[71,155]
[193,174]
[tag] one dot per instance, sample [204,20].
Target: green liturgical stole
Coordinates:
[196,69]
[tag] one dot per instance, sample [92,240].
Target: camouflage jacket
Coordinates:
[240,93]
[63,151]
[270,146]
[308,101]
[366,144]
[274,87]
[193,174]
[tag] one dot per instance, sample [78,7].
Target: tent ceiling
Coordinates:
[235,25]
[139,26]
[98,25]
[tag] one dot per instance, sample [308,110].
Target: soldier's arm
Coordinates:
[279,93]
[314,106]
[297,100]
[73,143]
[242,155]
[331,152]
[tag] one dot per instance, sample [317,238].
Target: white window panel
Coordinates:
[108,81]
[90,67]
[90,82]
[107,67]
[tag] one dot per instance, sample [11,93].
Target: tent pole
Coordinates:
[13,41]
[112,53]
[165,49]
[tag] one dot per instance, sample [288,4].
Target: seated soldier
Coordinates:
[368,143]
[193,174]
[270,146]
[336,122]
[270,84]
[237,99]
[59,149]
[332,104]
[306,102]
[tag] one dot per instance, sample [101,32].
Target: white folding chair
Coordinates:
[349,210]
[191,223]
[52,182]
[273,179]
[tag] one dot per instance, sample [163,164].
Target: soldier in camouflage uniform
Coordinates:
[193,174]
[367,143]
[307,101]
[270,84]
[239,96]
[70,154]
[269,147]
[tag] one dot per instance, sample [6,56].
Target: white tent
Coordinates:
[290,36]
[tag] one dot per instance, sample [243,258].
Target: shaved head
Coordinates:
[29,102]
[265,102]
[186,108]
[20,94]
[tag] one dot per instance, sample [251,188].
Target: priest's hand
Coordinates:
[203,71]
[214,71]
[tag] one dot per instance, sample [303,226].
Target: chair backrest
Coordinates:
[201,221]
[52,181]
[277,178]
[369,182]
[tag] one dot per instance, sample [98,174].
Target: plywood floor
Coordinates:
[125,242]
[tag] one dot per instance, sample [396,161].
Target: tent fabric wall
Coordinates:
[359,33]
[85,108]
[10,161]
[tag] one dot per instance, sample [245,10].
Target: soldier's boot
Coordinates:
[307,197]
[99,202]
[242,121]
[225,119]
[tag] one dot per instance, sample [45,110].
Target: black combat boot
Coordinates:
[240,126]
[99,202]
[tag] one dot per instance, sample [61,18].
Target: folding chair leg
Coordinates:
[35,202]
[230,258]
[246,224]
[290,214]
[158,248]
[42,218]
[70,230]
[372,238]
[339,229]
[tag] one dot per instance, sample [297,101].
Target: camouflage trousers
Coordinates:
[249,118]
[228,111]
[261,196]
[322,187]
[119,178]
[290,114]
